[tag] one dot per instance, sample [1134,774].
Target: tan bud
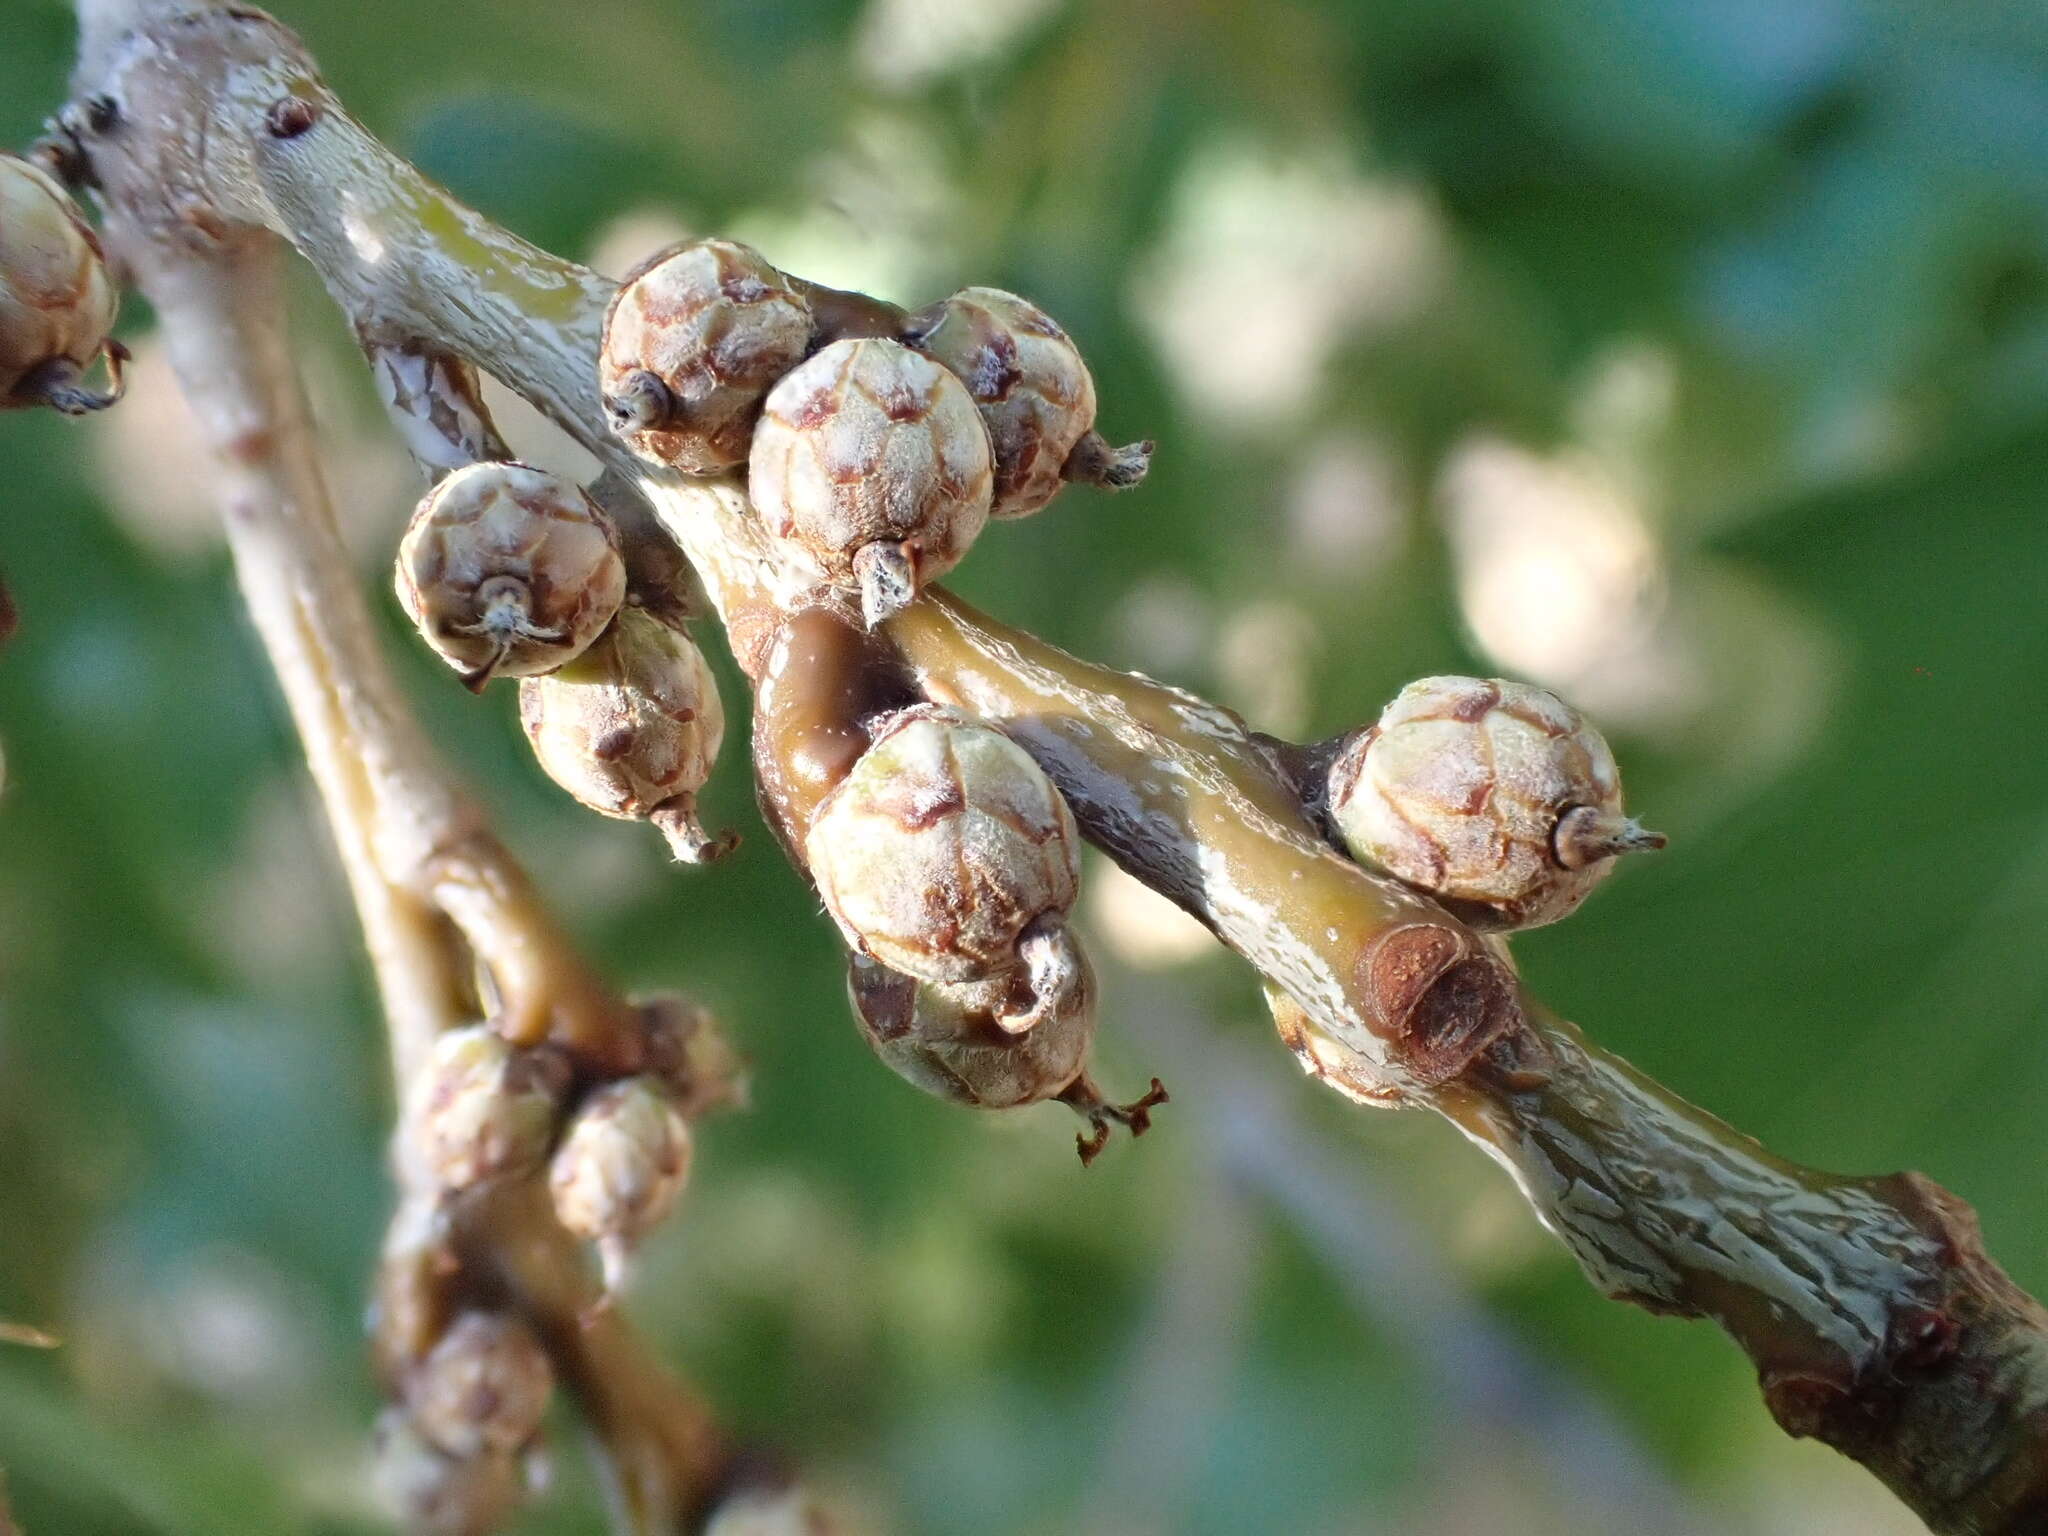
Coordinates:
[620,1167]
[486,1109]
[688,1051]
[483,1387]
[631,728]
[949,1039]
[508,570]
[431,1493]
[1034,392]
[57,302]
[1496,797]
[946,853]
[693,341]
[954,1041]
[872,468]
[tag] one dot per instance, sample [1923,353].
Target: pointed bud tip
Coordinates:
[1095,462]
[1586,836]
[888,582]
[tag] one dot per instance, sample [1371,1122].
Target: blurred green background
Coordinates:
[1687,356]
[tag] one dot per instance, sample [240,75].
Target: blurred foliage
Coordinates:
[1757,291]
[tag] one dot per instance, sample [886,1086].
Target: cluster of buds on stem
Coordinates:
[469,1378]
[510,571]
[57,303]
[950,863]
[878,444]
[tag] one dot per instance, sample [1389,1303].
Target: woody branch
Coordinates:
[1875,1318]
[439,897]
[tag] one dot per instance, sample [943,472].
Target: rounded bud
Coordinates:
[433,1493]
[872,467]
[506,569]
[631,729]
[687,1050]
[57,303]
[486,1109]
[948,855]
[1034,392]
[949,1039]
[483,1387]
[620,1167]
[955,1041]
[693,341]
[1496,797]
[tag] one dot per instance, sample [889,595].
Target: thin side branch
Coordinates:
[436,892]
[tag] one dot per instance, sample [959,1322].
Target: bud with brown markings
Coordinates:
[483,1387]
[486,1109]
[946,1039]
[947,854]
[693,341]
[872,469]
[508,570]
[952,1041]
[631,729]
[1495,797]
[57,302]
[621,1167]
[1034,392]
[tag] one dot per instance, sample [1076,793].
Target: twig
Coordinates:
[1489,1382]
[435,890]
[1874,1316]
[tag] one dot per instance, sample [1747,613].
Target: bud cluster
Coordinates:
[510,571]
[878,444]
[950,863]
[615,1151]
